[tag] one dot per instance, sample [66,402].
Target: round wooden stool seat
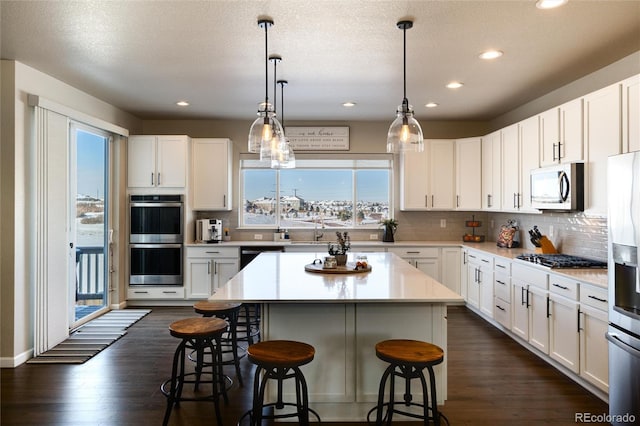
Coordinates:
[198,327]
[207,308]
[407,359]
[280,360]
[409,352]
[281,353]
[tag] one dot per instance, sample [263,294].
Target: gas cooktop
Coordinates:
[562,261]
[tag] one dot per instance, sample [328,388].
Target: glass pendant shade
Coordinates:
[264,133]
[283,157]
[405,133]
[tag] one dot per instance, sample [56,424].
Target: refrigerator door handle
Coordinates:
[613,338]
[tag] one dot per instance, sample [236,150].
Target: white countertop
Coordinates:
[276,277]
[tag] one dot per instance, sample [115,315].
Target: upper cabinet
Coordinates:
[561,134]
[631,114]
[603,119]
[157,161]
[211,167]
[468,174]
[491,171]
[427,179]
[520,155]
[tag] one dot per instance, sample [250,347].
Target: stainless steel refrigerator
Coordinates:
[624,288]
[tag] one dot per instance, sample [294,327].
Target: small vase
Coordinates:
[341,259]
[387,234]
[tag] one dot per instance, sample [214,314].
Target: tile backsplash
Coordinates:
[573,233]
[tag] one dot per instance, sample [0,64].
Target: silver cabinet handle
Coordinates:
[158,178]
[597,298]
[151,178]
[209,267]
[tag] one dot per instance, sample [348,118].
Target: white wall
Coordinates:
[16,157]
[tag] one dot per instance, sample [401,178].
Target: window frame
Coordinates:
[321,162]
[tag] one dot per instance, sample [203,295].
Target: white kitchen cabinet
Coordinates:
[155,293]
[464,272]
[211,168]
[520,154]
[593,324]
[426,259]
[510,169]
[491,171]
[529,305]
[469,174]
[603,120]
[561,133]
[529,159]
[450,268]
[563,322]
[502,291]
[427,179]
[631,114]
[480,284]
[207,268]
[157,161]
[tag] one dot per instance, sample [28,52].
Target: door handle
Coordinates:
[548,307]
[158,178]
[151,178]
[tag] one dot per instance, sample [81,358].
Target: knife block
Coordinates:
[546,246]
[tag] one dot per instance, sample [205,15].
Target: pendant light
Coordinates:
[285,157]
[269,149]
[405,133]
[266,126]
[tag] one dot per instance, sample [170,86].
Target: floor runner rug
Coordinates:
[91,338]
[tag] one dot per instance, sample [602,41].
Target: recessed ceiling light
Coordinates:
[491,54]
[349,104]
[550,4]
[182,103]
[454,85]
[431,105]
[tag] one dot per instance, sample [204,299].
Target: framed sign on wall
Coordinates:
[318,138]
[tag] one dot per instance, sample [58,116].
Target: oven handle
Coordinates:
[613,338]
[155,245]
[160,204]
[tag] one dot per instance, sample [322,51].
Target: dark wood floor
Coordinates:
[492,381]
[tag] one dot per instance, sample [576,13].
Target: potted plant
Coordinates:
[389,227]
[340,248]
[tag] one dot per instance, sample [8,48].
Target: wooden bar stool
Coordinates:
[407,359]
[196,334]
[280,360]
[229,312]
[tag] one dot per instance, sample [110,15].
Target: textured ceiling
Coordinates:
[143,56]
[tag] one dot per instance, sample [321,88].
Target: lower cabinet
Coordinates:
[155,293]
[480,282]
[427,259]
[592,326]
[207,268]
[529,304]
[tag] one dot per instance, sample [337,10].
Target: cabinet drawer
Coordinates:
[212,251]
[521,274]
[415,251]
[595,297]
[480,258]
[155,293]
[502,265]
[563,286]
[502,286]
[502,312]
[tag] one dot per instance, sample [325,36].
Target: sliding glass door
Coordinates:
[88,222]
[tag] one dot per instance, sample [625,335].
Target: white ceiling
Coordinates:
[143,56]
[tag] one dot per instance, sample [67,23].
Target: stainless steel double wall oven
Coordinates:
[155,239]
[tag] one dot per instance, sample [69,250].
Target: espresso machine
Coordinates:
[208,231]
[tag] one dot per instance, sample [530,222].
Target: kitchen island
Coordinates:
[343,316]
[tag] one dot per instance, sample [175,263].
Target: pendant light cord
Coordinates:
[404,56]
[266,65]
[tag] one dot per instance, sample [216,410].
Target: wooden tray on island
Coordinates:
[349,268]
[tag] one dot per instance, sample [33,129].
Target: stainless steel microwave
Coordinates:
[559,187]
